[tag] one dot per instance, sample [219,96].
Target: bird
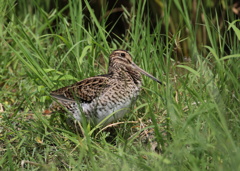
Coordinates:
[103,99]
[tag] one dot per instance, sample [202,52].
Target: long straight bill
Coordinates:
[145,73]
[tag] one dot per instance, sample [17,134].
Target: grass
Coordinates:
[191,123]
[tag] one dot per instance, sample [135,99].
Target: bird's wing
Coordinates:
[83,91]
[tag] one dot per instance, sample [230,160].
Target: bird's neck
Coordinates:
[126,75]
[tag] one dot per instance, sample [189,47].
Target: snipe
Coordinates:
[98,97]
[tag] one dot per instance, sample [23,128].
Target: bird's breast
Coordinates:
[111,105]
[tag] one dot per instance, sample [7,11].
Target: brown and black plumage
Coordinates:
[101,96]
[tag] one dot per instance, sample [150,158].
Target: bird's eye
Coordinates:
[122,54]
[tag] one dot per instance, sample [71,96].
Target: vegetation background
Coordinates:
[191,123]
